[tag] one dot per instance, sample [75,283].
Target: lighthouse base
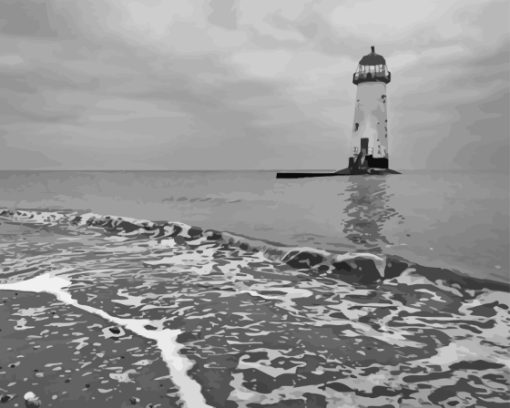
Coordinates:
[370,161]
[358,166]
[345,172]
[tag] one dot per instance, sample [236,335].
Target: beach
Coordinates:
[108,308]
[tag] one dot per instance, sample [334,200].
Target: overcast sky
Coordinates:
[256,84]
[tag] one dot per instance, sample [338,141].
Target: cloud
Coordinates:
[237,83]
[224,13]
[12,156]
[25,18]
[10,61]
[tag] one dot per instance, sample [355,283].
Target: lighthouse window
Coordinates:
[356,127]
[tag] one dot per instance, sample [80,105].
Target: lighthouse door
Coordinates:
[364,144]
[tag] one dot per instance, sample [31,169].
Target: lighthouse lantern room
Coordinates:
[370,128]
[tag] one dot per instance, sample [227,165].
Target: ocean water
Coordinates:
[235,289]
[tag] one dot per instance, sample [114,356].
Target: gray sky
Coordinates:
[219,84]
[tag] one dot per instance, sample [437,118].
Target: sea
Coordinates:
[236,289]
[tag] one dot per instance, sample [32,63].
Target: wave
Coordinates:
[352,267]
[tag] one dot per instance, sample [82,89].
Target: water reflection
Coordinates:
[368,211]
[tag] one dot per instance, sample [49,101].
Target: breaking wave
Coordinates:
[357,267]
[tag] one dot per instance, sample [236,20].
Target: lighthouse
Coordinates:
[370,125]
[369,151]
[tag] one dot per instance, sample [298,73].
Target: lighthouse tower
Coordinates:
[370,127]
[369,154]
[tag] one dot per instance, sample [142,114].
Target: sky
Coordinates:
[245,84]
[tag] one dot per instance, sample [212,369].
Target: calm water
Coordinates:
[342,292]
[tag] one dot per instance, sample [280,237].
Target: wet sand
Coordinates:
[71,358]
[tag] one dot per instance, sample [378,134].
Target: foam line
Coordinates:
[362,267]
[166,339]
[295,257]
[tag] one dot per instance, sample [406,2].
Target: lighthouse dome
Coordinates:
[372,68]
[372,59]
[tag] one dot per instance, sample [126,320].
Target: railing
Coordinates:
[359,77]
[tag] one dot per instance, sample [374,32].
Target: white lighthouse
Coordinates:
[370,127]
[369,154]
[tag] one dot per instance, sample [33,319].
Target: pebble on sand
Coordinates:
[113,332]
[31,400]
[6,397]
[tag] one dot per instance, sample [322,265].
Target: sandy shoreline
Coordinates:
[107,317]
[66,356]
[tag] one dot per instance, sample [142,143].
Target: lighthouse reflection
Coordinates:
[367,212]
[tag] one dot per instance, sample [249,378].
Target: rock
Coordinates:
[113,332]
[134,400]
[6,398]
[31,400]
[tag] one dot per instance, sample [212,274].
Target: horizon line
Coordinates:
[238,170]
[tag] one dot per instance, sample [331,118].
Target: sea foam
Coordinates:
[166,339]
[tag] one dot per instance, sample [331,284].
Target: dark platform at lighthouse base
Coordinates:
[344,172]
[362,164]
[359,166]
